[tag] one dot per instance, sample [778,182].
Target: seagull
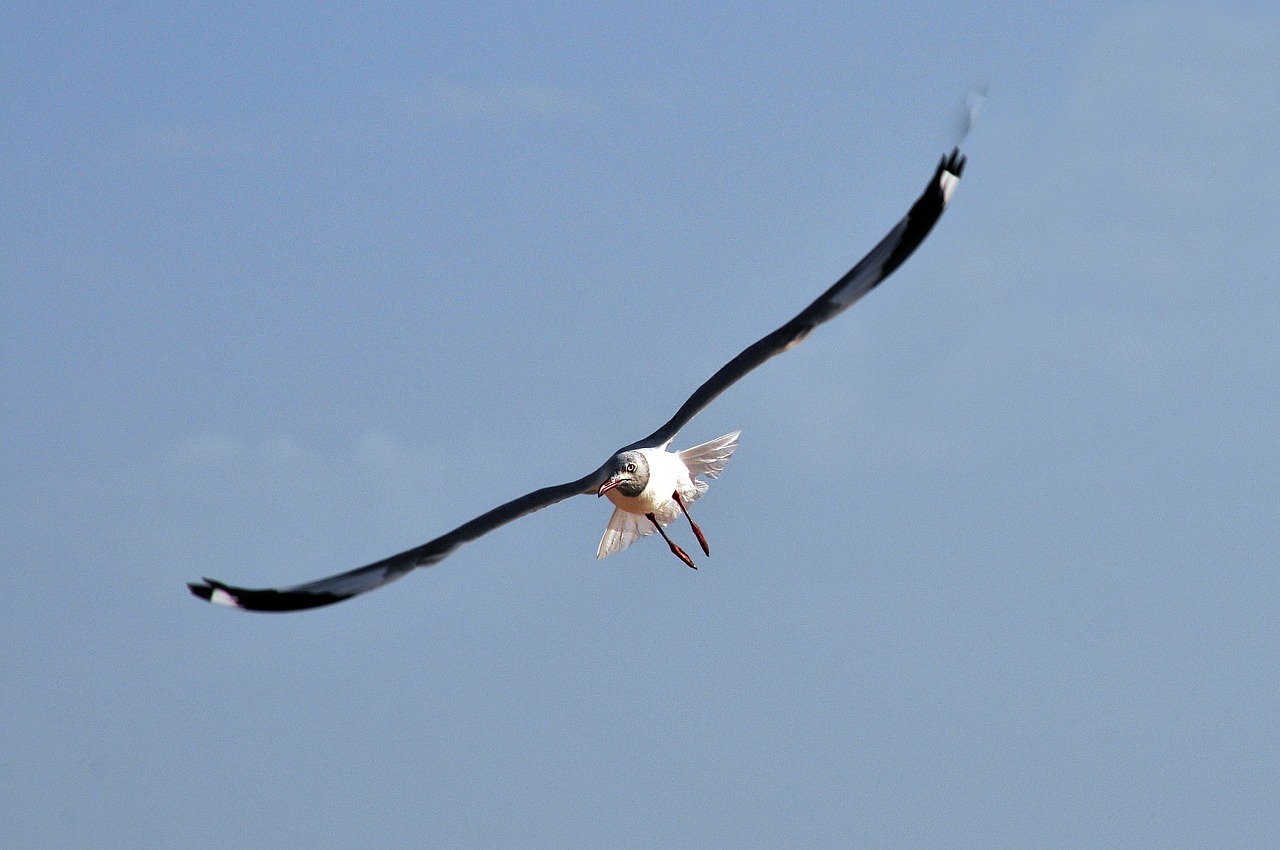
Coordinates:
[649,485]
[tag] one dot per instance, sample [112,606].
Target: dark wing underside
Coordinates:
[877,265]
[342,586]
[905,237]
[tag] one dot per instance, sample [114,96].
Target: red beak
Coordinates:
[607,486]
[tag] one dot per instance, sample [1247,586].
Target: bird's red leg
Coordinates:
[697,531]
[675,550]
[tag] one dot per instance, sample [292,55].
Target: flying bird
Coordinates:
[649,485]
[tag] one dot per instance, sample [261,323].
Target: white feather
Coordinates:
[221,597]
[668,472]
[623,530]
[709,458]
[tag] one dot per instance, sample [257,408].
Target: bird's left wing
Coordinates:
[336,588]
[878,264]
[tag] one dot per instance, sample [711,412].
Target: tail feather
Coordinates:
[623,530]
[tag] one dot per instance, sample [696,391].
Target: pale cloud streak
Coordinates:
[517,101]
[189,142]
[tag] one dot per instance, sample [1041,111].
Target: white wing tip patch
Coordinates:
[221,597]
[947,183]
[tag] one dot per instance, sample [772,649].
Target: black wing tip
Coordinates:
[273,601]
[203,590]
[953,163]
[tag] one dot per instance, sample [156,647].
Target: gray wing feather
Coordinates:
[878,264]
[336,588]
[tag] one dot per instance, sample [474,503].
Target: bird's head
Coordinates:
[629,472]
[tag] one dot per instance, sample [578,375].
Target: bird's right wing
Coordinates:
[342,586]
[878,264]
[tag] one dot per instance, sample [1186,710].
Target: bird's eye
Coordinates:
[631,467]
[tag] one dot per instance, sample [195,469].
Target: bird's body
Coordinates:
[648,485]
[651,487]
[667,475]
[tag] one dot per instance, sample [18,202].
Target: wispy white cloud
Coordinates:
[380,466]
[207,450]
[1172,101]
[185,141]
[493,103]
[371,455]
[1097,289]
[1163,178]
[682,96]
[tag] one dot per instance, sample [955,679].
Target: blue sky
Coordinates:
[284,290]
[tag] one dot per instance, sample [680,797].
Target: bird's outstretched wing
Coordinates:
[326,591]
[877,265]
[905,237]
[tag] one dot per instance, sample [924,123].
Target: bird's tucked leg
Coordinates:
[675,550]
[702,541]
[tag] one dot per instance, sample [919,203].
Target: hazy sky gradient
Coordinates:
[284,290]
